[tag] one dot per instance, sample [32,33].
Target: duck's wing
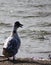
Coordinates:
[13,44]
[7,42]
[11,48]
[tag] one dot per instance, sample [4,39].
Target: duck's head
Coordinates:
[18,24]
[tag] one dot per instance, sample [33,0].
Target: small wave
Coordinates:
[45,24]
[1,43]
[30,16]
[5,24]
[38,14]
[38,5]
[41,5]
[44,14]
[44,52]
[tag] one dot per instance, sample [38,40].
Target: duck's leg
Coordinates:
[8,59]
[13,58]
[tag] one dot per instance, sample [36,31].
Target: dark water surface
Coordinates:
[35,15]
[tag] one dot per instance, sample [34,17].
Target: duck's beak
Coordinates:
[21,25]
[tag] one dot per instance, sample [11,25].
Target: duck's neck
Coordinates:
[14,31]
[15,34]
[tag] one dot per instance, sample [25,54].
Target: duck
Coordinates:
[13,42]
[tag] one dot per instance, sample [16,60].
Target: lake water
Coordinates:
[35,35]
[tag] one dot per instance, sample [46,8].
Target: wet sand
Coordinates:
[23,61]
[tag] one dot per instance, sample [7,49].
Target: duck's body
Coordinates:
[12,43]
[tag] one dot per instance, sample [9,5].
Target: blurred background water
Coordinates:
[35,35]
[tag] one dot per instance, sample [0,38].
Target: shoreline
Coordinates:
[24,61]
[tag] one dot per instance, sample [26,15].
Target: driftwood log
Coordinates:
[23,61]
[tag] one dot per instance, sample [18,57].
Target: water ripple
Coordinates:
[5,24]
[44,24]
